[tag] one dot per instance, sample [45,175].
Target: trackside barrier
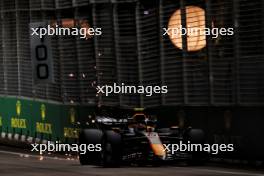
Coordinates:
[20,141]
[37,121]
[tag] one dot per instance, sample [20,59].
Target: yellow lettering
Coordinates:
[71,132]
[18,123]
[44,128]
[1,122]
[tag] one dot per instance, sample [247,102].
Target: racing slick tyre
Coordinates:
[197,136]
[111,149]
[90,136]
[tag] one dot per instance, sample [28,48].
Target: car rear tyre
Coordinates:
[90,136]
[111,149]
[197,136]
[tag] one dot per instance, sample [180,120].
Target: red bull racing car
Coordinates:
[136,140]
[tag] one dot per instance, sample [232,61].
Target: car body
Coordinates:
[135,140]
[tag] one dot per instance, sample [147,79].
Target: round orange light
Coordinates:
[195,22]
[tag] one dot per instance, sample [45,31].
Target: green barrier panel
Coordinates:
[46,121]
[69,123]
[41,119]
[14,119]
[1,116]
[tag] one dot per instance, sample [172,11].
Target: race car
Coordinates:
[136,140]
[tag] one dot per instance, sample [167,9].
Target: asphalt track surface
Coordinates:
[22,164]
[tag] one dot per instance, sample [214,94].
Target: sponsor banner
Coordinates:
[40,119]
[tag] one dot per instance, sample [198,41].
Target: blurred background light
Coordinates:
[195,18]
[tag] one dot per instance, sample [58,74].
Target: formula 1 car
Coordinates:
[136,140]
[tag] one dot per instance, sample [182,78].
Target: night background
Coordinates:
[215,84]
